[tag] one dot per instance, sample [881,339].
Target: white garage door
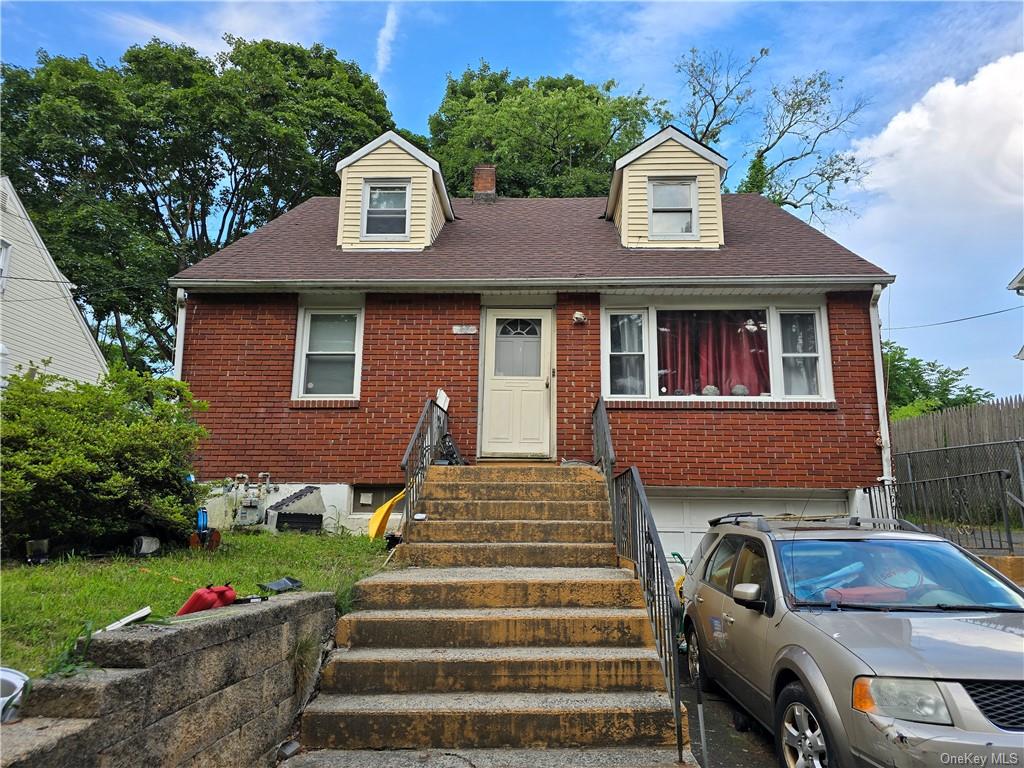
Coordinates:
[683,521]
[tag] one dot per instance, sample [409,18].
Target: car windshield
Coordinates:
[890,574]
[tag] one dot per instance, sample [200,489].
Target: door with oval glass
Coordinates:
[517,383]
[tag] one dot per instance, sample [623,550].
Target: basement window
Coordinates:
[328,366]
[386,210]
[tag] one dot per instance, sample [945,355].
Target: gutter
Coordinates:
[179,334]
[880,391]
[485,284]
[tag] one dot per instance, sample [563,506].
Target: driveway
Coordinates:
[727,747]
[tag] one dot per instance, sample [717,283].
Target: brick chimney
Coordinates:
[485,183]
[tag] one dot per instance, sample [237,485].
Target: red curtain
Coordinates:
[726,349]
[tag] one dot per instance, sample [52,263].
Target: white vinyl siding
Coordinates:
[40,318]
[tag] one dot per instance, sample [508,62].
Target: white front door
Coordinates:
[517,383]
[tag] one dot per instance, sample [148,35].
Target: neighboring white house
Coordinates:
[39,319]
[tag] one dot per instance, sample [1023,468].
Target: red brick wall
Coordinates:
[239,354]
[781,446]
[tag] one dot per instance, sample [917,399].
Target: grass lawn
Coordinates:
[42,607]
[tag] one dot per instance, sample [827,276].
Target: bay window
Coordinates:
[737,352]
[328,359]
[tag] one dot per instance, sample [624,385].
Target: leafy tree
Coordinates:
[93,464]
[916,386]
[134,172]
[795,157]
[551,137]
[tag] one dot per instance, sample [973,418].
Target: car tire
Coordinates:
[695,660]
[799,731]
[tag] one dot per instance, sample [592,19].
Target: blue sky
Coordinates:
[943,208]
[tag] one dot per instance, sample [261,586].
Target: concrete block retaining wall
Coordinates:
[218,688]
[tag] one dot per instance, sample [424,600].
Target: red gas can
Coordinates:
[208,597]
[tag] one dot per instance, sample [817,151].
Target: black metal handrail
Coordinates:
[637,540]
[425,445]
[970,509]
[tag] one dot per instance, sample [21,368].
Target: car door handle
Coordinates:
[728,618]
[700,599]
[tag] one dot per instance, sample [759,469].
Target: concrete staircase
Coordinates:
[508,628]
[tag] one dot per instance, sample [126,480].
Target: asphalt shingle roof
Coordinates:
[532,239]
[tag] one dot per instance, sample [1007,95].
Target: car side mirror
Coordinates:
[749,596]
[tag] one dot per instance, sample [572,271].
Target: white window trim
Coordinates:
[302,344]
[773,308]
[5,263]
[367,183]
[691,181]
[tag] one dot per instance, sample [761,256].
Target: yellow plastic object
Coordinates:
[379,521]
[679,585]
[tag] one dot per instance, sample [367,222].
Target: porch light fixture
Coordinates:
[579,318]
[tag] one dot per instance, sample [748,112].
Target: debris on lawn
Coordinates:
[12,684]
[144,546]
[204,537]
[131,618]
[281,585]
[208,597]
[37,551]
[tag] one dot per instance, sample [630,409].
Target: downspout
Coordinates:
[179,334]
[880,392]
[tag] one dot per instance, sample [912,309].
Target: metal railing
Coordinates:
[637,540]
[974,509]
[425,445]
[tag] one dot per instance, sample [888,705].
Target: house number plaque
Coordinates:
[464,330]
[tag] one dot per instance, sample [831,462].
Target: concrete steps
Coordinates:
[508,625]
[532,669]
[495,627]
[495,531]
[519,554]
[486,720]
[615,757]
[515,510]
[499,588]
[515,491]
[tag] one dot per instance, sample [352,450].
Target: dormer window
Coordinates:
[672,209]
[386,209]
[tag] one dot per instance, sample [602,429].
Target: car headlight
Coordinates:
[918,701]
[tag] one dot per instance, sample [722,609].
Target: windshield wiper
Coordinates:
[841,606]
[967,607]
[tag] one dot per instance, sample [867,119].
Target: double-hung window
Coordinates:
[744,351]
[800,364]
[672,209]
[329,360]
[386,210]
[626,353]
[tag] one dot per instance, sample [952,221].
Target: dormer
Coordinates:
[393,197]
[666,193]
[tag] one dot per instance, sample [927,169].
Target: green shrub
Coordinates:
[90,465]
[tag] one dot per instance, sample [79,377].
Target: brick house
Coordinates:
[737,347]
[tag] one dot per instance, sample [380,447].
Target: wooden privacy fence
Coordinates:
[994,421]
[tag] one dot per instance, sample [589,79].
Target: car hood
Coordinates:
[952,646]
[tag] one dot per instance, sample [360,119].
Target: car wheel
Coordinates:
[694,661]
[801,738]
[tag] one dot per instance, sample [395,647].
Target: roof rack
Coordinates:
[762,521]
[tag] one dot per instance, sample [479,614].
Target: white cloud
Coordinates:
[385,39]
[945,211]
[297,22]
